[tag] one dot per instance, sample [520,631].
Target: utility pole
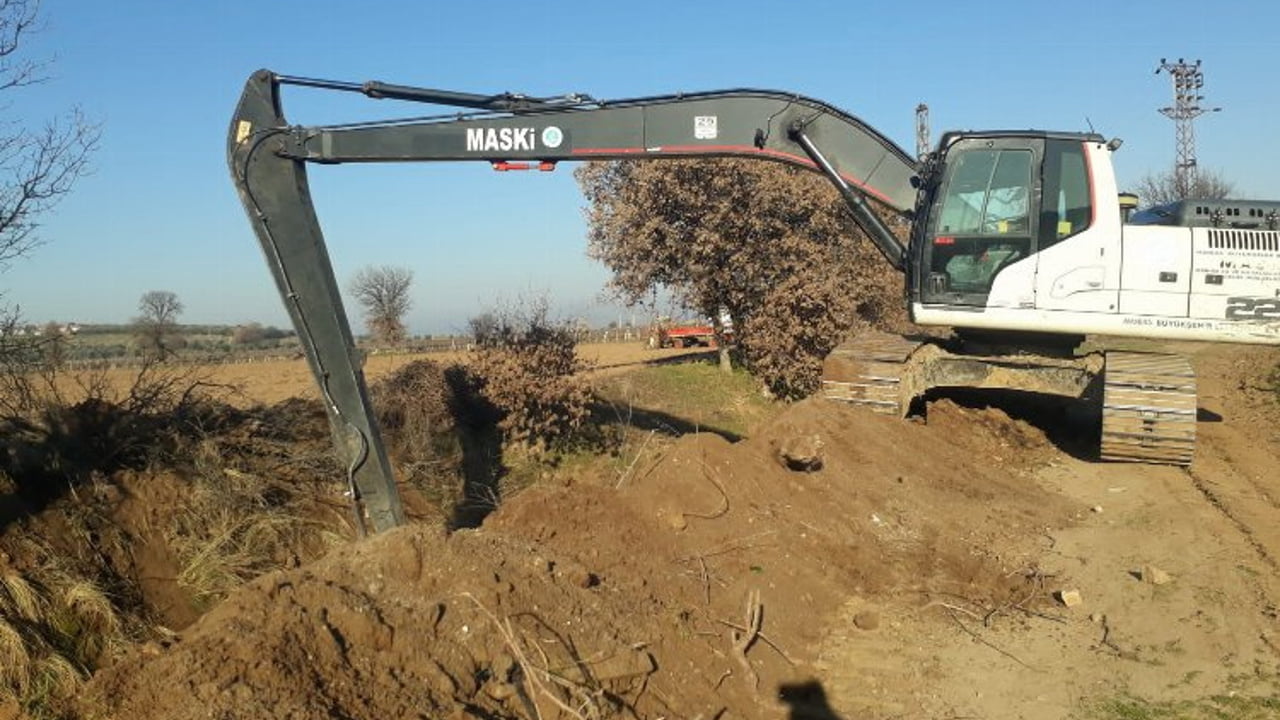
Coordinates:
[922,131]
[1188,80]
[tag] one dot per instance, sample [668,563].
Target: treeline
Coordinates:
[111,342]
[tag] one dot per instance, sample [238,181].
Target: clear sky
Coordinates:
[163,76]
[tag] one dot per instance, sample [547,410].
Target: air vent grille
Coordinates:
[1222,239]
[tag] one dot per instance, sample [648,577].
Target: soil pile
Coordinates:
[694,581]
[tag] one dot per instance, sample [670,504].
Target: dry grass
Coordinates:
[89,623]
[218,552]
[18,598]
[54,679]
[54,630]
[15,660]
[237,524]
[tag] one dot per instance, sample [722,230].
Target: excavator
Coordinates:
[1018,245]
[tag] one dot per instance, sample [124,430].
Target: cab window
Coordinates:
[988,194]
[985,222]
[1068,203]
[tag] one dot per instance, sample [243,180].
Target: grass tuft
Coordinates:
[53,679]
[18,597]
[15,661]
[87,622]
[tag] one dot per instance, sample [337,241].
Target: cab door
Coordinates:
[983,224]
[1078,263]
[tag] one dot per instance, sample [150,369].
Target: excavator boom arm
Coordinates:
[268,157]
[739,123]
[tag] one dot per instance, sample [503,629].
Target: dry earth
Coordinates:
[913,575]
[1212,629]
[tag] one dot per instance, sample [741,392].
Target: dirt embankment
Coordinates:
[701,581]
[912,575]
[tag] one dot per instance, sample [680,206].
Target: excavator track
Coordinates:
[867,371]
[1148,408]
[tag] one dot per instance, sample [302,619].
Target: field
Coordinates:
[978,563]
[274,380]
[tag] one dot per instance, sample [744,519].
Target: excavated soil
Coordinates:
[835,564]
[632,594]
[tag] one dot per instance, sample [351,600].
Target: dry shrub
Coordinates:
[528,368]
[263,492]
[59,427]
[416,409]
[799,321]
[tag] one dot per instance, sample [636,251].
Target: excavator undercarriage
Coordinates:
[1146,401]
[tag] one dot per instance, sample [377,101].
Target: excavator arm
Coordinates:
[268,164]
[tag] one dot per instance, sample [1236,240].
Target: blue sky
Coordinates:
[160,212]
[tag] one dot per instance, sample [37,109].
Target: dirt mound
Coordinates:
[699,580]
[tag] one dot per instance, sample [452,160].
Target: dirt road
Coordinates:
[1211,629]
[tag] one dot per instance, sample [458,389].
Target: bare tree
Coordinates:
[484,327]
[1163,188]
[40,162]
[383,292]
[156,327]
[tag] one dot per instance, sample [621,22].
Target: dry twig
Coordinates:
[742,544]
[709,473]
[743,639]
[706,581]
[529,672]
[623,476]
[990,644]
[763,638]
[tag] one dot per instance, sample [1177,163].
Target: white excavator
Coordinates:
[1018,245]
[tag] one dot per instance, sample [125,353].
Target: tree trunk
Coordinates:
[726,365]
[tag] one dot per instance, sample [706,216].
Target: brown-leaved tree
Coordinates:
[772,245]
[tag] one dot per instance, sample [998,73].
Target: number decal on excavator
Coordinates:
[1247,308]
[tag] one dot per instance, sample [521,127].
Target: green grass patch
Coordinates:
[687,397]
[1216,707]
[637,414]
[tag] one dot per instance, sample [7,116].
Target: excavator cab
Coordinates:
[991,203]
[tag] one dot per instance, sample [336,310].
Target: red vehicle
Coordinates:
[687,335]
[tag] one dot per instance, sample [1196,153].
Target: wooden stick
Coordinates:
[742,641]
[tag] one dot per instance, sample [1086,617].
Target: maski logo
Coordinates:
[501,139]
